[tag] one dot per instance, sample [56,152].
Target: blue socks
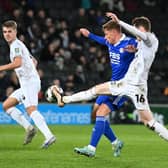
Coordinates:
[98,130]
[108,132]
[101,127]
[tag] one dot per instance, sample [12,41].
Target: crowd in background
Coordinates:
[50,29]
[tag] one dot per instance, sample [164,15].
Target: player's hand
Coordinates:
[130,49]
[85,32]
[112,16]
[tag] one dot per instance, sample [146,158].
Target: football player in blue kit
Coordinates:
[120,58]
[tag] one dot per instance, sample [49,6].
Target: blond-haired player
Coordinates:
[30,85]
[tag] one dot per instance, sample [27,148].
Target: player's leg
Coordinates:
[113,103]
[97,132]
[117,144]
[147,118]
[103,104]
[31,101]
[16,114]
[139,98]
[102,126]
[101,89]
[41,124]
[99,128]
[94,110]
[9,107]
[108,132]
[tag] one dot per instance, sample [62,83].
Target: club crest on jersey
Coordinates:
[121,50]
[16,50]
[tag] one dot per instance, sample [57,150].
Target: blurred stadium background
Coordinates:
[50,29]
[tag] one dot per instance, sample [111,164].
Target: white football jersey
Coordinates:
[27,70]
[137,73]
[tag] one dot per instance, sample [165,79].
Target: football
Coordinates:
[49,95]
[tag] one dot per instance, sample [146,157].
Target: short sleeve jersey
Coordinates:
[27,69]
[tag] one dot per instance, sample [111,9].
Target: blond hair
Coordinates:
[10,23]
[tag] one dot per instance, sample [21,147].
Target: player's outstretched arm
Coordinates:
[15,64]
[112,16]
[87,33]
[134,31]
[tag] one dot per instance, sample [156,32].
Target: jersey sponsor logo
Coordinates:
[16,50]
[114,58]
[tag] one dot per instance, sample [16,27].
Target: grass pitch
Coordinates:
[142,149]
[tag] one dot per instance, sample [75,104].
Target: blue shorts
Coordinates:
[113,102]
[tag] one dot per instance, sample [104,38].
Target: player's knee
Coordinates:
[30,109]
[5,106]
[101,112]
[9,103]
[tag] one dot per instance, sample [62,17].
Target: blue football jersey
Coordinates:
[120,61]
[119,58]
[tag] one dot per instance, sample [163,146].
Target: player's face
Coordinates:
[111,35]
[9,34]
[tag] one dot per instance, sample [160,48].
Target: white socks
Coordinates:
[38,119]
[81,96]
[41,124]
[17,115]
[114,142]
[158,128]
[92,148]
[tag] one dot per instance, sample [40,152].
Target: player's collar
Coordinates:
[122,38]
[13,41]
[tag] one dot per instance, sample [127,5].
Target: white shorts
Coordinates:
[137,93]
[28,93]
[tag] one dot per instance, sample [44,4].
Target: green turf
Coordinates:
[142,149]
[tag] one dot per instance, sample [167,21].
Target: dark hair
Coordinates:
[10,23]
[112,25]
[142,21]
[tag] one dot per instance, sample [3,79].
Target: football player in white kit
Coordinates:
[30,85]
[134,84]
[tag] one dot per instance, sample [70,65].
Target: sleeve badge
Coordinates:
[16,50]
